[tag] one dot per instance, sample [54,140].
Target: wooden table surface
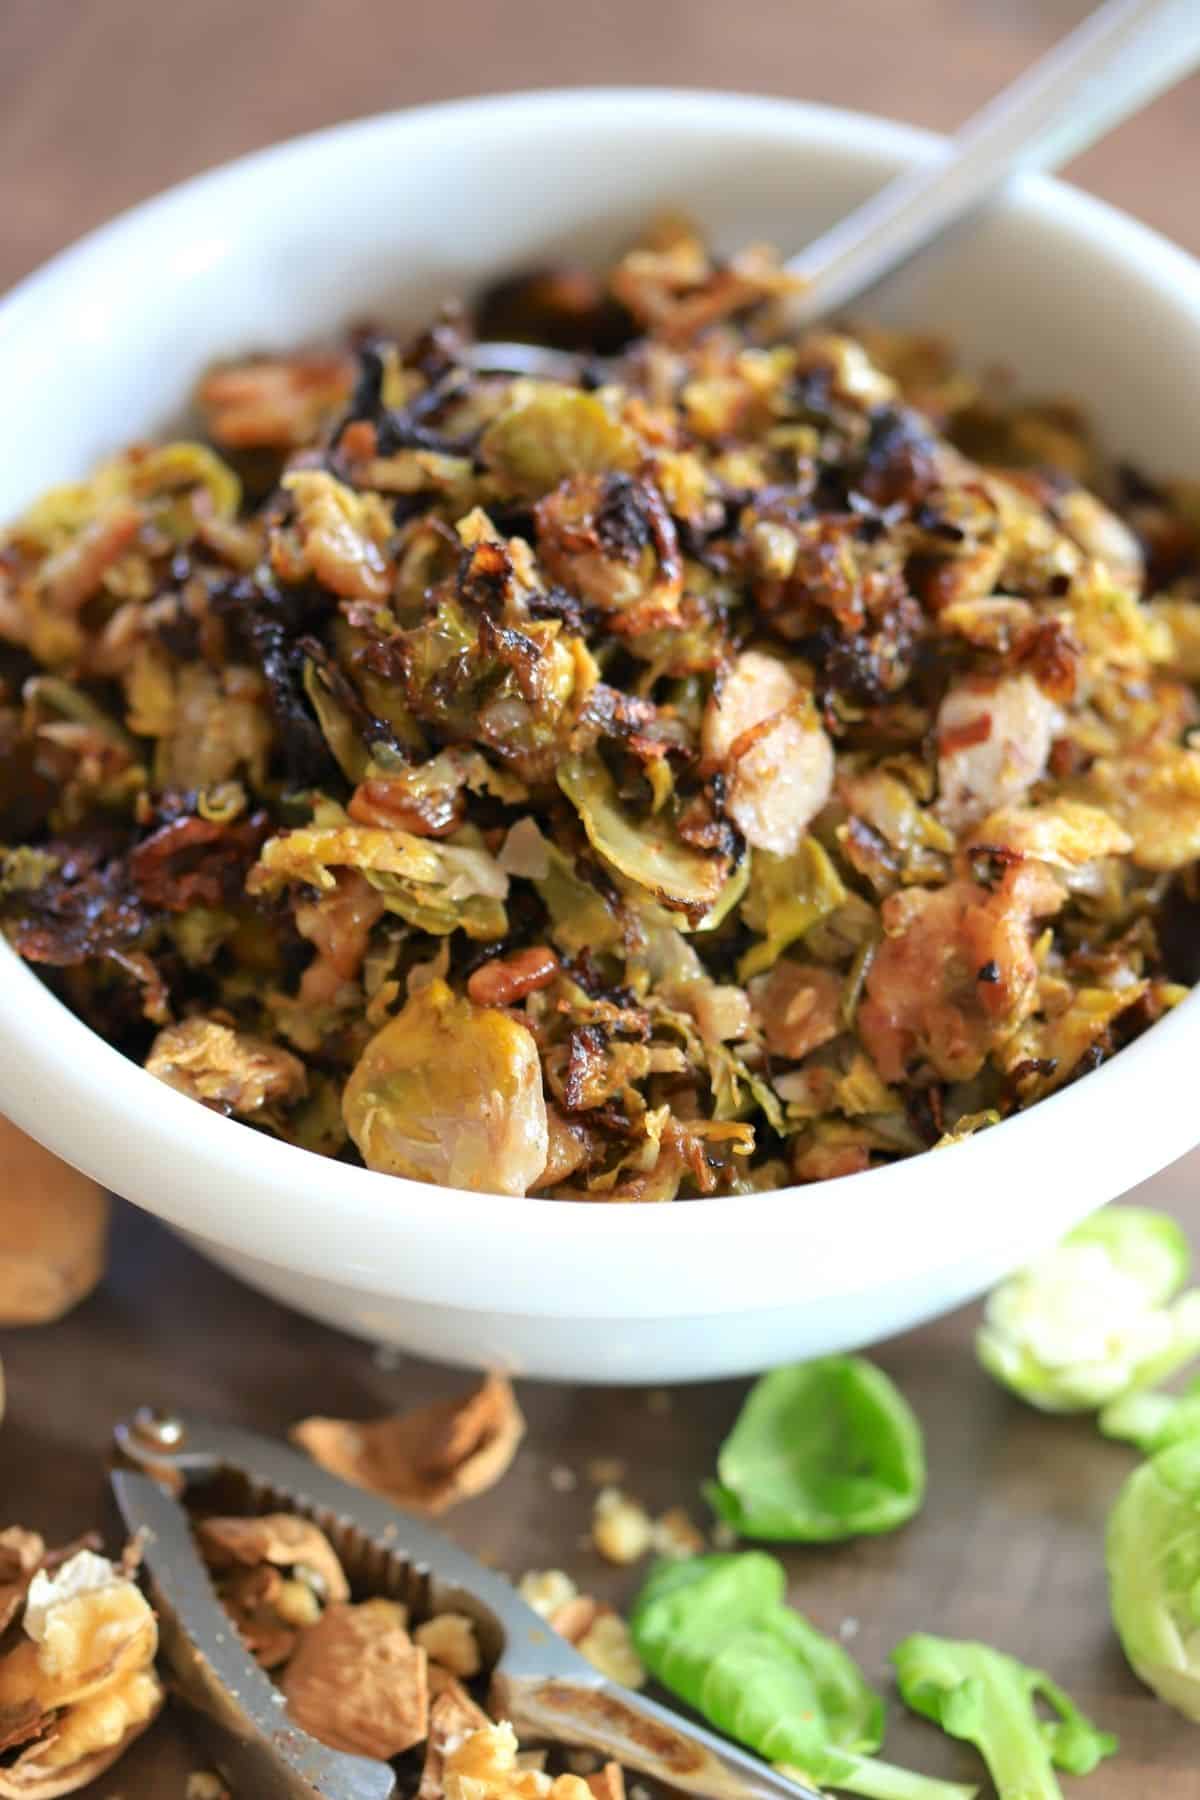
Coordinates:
[103,104]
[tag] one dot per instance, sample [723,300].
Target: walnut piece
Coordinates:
[677,1534]
[453,1715]
[282,1539]
[449,1639]
[485,1766]
[357,1681]
[546,1590]
[251,1598]
[621,1529]
[21,1554]
[609,1648]
[79,1685]
[595,1630]
[53,1233]
[425,1460]
[249,1557]
[607,1783]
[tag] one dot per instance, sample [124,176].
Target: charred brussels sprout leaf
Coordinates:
[337,727]
[1097,1317]
[717,1631]
[646,851]
[821,1451]
[450,1092]
[989,1699]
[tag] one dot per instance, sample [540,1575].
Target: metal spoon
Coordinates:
[1121,57]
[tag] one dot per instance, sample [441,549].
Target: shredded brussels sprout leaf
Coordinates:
[1097,1317]
[786,897]
[821,1451]
[989,1699]
[1153,1554]
[717,1631]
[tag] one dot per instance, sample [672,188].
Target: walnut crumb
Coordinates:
[575,1618]
[297,1604]
[485,1766]
[622,1530]
[606,1471]
[609,1648]
[449,1639]
[676,1534]
[202,1784]
[547,1591]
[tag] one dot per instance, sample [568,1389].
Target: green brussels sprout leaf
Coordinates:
[821,1451]
[1153,1421]
[718,1632]
[990,1700]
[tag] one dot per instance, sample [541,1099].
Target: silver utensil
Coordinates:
[544,1687]
[1119,59]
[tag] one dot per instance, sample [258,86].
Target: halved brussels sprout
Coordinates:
[1154,1574]
[552,433]
[451,1093]
[1098,1316]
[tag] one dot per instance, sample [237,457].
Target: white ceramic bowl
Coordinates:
[382,219]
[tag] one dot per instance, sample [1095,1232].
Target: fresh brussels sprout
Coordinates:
[451,1092]
[1153,1556]
[1097,1317]
[717,1631]
[988,1698]
[821,1451]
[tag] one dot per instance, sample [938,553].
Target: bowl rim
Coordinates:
[97,1082]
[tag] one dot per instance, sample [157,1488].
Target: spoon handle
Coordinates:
[1117,60]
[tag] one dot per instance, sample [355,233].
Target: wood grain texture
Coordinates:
[104,103]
